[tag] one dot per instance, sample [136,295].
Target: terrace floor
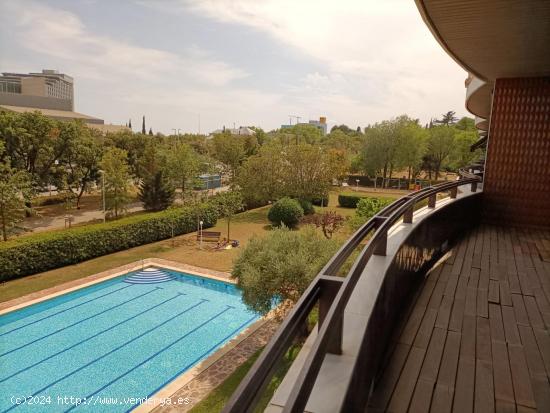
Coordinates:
[477,337]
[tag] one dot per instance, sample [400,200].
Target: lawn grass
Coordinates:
[184,249]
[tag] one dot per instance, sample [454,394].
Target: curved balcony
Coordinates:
[481,123]
[340,361]
[478,97]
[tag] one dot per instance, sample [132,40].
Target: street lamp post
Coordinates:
[103,193]
[357,184]
[200,223]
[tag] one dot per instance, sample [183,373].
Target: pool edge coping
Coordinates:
[87,281]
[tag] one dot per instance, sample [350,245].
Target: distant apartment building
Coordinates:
[320,124]
[50,92]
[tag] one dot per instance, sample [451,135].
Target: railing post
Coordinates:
[454,192]
[330,286]
[381,246]
[474,187]
[431,201]
[408,215]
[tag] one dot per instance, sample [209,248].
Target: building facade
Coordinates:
[46,90]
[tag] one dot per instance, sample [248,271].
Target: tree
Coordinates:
[308,171]
[183,165]
[441,141]
[229,203]
[156,192]
[466,124]
[151,131]
[81,161]
[461,154]
[382,142]
[34,143]
[261,176]
[447,119]
[136,146]
[279,267]
[229,150]
[329,222]
[130,124]
[15,188]
[114,165]
[143,130]
[412,148]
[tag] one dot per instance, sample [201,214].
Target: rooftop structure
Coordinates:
[446,307]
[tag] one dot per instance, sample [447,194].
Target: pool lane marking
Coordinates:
[197,359]
[62,311]
[89,338]
[112,351]
[227,308]
[78,322]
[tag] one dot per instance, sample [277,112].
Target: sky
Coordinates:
[236,62]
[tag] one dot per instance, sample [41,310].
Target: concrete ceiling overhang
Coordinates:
[492,38]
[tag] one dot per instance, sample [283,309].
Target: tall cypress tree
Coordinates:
[151,131]
[130,124]
[143,126]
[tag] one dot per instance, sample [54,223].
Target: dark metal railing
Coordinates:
[332,293]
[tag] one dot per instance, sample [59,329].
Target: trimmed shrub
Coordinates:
[49,200]
[46,251]
[368,207]
[307,206]
[349,200]
[320,201]
[285,211]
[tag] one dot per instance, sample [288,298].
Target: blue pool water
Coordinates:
[117,340]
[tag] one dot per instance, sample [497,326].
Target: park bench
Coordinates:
[209,236]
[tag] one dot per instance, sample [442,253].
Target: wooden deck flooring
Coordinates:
[477,337]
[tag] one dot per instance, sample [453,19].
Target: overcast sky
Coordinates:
[248,62]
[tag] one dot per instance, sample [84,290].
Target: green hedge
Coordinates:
[49,250]
[349,200]
[320,201]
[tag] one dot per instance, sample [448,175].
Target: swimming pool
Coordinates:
[123,338]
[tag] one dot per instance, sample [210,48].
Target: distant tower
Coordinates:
[143,126]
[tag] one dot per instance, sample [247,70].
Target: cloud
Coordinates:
[62,35]
[364,61]
[376,55]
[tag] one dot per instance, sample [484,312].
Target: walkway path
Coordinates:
[44,223]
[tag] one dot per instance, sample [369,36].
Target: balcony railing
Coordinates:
[332,294]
